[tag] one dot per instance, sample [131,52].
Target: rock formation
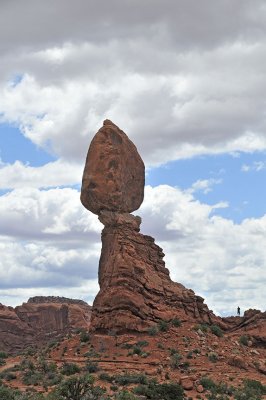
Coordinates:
[135,288]
[113,165]
[35,321]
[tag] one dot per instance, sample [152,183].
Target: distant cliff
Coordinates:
[40,319]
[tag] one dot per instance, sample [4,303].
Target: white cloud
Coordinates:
[182,79]
[178,83]
[57,173]
[255,166]
[49,241]
[204,185]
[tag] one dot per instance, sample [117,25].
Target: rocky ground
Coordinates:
[176,351]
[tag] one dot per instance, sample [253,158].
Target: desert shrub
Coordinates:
[106,377]
[176,322]
[130,378]
[160,346]
[163,326]
[125,395]
[136,350]
[203,327]
[3,354]
[2,362]
[127,346]
[32,378]
[190,354]
[153,330]
[70,369]
[77,388]
[6,393]
[84,337]
[92,367]
[30,351]
[207,383]
[243,340]
[165,391]
[142,343]
[185,365]
[175,360]
[212,356]
[216,330]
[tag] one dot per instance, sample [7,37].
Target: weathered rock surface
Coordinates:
[135,288]
[252,324]
[114,173]
[40,319]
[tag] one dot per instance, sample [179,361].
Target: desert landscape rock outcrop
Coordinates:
[135,287]
[40,319]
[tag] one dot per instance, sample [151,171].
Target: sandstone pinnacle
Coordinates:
[114,173]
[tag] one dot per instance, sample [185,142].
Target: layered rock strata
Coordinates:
[135,288]
[40,319]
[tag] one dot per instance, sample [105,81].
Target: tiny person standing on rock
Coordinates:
[238,310]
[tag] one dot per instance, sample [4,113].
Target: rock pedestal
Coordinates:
[135,288]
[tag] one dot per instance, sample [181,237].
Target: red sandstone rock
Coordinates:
[39,320]
[114,173]
[135,288]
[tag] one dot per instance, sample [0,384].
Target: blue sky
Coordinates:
[236,179]
[186,81]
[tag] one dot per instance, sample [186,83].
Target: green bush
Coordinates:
[84,337]
[203,327]
[70,369]
[212,356]
[125,395]
[176,322]
[207,383]
[153,330]
[165,391]
[3,354]
[142,343]
[163,326]
[243,340]
[92,367]
[130,378]
[106,377]
[216,330]
[77,388]
[175,360]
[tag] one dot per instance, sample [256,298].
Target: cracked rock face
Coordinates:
[114,173]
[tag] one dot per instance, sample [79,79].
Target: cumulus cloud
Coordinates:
[182,79]
[57,173]
[191,77]
[54,246]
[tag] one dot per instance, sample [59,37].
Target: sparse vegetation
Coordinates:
[175,360]
[153,330]
[163,326]
[84,337]
[176,322]
[156,391]
[216,330]
[70,369]
[212,356]
[244,340]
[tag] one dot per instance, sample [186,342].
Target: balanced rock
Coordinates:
[114,173]
[136,291]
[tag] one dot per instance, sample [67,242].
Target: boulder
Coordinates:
[114,173]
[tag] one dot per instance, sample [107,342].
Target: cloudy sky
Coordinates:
[186,80]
